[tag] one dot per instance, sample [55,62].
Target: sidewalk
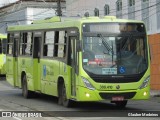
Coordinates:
[155,93]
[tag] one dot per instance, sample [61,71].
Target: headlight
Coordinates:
[88,84]
[145,83]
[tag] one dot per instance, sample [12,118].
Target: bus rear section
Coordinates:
[2,54]
[115,63]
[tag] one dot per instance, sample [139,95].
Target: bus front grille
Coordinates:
[127,95]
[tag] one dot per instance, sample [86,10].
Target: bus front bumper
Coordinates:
[85,94]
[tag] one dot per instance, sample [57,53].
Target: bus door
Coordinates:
[15,60]
[36,59]
[73,63]
[12,61]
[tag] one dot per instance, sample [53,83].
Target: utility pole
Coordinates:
[59,11]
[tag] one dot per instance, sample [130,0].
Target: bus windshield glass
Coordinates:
[121,51]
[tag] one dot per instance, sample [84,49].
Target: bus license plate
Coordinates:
[118,98]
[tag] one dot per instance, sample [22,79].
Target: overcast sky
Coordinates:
[3,2]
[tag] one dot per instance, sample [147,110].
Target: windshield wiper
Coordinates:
[105,43]
[107,46]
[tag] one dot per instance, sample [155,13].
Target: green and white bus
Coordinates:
[87,59]
[3,42]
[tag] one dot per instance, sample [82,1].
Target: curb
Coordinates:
[155,93]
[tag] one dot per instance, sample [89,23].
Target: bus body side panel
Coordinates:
[26,66]
[10,70]
[20,69]
[65,72]
[36,75]
[49,74]
[15,71]
[69,84]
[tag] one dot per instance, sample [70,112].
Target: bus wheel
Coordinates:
[63,96]
[121,104]
[25,92]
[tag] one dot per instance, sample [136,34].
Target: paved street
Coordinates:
[12,100]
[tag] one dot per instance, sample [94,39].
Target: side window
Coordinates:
[4,45]
[22,43]
[60,45]
[10,44]
[48,47]
[26,44]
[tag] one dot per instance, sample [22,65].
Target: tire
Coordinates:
[60,94]
[63,100]
[25,92]
[121,104]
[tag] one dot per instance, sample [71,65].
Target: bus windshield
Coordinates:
[114,54]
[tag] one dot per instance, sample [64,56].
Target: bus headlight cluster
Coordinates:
[145,83]
[88,84]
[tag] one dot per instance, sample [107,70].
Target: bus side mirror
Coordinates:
[79,45]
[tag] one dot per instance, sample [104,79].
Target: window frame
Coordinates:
[56,43]
[119,5]
[23,44]
[96,12]
[106,9]
[10,41]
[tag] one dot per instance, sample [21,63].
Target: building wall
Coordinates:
[39,13]
[12,19]
[79,7]
[24,12]
[154,41]
[24,16]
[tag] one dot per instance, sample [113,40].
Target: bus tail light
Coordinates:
[88,84]
[145,83]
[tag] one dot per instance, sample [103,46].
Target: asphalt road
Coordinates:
[11,100]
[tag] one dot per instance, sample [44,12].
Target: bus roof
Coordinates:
[57,22]
[3,36]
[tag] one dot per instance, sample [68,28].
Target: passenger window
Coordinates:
[60,45]
[10,44]
[26,44]
[48,47]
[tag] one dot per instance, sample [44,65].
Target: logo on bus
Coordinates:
[118,86]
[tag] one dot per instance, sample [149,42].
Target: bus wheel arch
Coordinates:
[62,95]
[25,92]
[22,75]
